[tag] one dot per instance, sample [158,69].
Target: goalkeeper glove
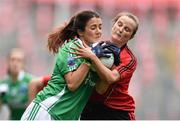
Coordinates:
[100,50]
[115,50]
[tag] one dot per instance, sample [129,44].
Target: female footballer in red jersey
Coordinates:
[117,103]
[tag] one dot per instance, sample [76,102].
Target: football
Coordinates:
[108,62]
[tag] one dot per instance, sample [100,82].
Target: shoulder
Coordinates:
[71,42]
[4,86]
[5,79]
[65,48]
[26,76]
[128,53]
[128,57]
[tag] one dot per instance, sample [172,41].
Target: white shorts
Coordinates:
[35,112]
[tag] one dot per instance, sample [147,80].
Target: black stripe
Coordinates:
[130,64]
[121,70]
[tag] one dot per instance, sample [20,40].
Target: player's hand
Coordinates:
[115,50]
[100,50]
[82,51]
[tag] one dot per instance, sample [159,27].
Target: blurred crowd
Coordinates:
[25,24]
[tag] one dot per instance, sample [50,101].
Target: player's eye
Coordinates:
[100,27]
[93,27]
[120,24]
[127,29]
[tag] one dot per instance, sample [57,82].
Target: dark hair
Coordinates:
[69,31]
[130,15]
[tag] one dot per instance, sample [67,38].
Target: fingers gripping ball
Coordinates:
[107,57]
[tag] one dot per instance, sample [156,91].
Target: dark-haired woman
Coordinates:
[72,81]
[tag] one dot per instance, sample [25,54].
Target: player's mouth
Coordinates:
[98,36]
[118,34]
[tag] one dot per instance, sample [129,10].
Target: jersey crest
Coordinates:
[71,61]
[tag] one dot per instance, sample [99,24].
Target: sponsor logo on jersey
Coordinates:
[71,61]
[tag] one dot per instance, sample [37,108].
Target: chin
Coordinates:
[115,38]
[94,42]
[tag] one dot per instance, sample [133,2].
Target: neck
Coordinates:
[118,44]
[14,77]
[87,43]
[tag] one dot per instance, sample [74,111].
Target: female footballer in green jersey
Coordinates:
[15,84]
[72,81]
[115,102]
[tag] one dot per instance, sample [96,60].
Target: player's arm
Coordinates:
[101,86]
[34,87]
[75,78]
[108,76]
[104,73]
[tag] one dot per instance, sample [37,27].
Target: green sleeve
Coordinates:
[66,61]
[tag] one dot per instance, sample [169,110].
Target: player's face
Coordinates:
[16,62]
[93,31]
[122,30]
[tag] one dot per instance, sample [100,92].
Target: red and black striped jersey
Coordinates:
[117,96]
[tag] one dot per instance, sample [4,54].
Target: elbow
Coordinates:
[72,87]
[111,80]
[113,77]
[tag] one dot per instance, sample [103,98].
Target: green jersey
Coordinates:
[16,95]
[56,98]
